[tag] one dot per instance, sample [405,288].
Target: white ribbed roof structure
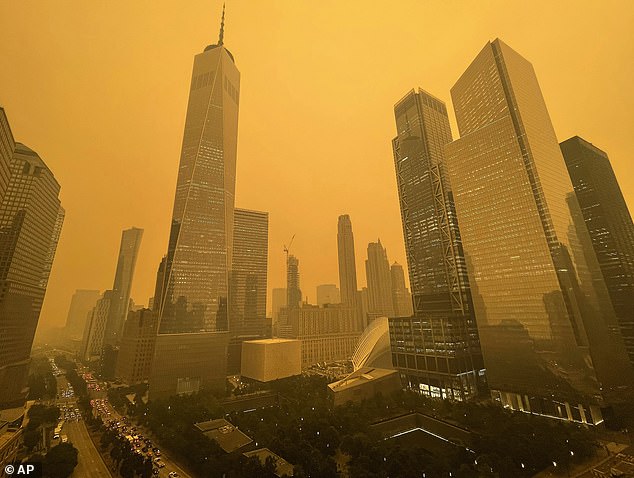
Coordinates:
[373,348]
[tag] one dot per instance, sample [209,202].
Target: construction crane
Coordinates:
[287,249]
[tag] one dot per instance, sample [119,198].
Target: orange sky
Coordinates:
[100,89]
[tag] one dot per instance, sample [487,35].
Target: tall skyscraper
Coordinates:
[347,263]
[377,269]
[193,307]
[543,313]
[126,263]
[137,347]
[610,226]
[95,328]
[294,293]
[401,298]
[7,147]
[278,300]
[328,294]
[30,220]
[249,271]
[81,306]
[437,351]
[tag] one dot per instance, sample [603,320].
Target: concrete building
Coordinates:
[271,359]
[228,437]
[81,305]
[540,301]
[134,361]
[437,349]
[379,280]
[282,467]
[30,222]
[609,224]
[364,384]
[192,298]
[328,334]
[328,294]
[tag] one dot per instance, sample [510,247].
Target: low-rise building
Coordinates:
[228,437]
[363,384]
[282,467]
[271,359]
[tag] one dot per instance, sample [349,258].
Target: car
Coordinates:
[156,451]
[155,471]
[173,474]
[161,464]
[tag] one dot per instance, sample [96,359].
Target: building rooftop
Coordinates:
[228,437]
[283,467]
[269,341]
[363,375]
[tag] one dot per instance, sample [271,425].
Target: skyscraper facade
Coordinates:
[294,293]
[193,307]
[278,300]
[542,309]
[249,271]
[7,147]
[347,262]
[95,329]
[81,305]
[401,298]
[436,351]
[120,301]
[609,223]
[328,294]
[377,269]
[134,360]
[30,220]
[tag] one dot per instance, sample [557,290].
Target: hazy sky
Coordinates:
[99,90]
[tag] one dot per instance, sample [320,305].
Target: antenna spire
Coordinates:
[222,27]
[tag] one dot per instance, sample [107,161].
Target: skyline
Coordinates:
[272,145]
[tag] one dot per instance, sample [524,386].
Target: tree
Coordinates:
[61,460]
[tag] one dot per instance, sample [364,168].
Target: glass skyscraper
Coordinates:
[31,217]
[193,306]
[610,226]
[545,320]
[437,350]
[120,301]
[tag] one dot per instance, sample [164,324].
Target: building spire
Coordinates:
[222,27]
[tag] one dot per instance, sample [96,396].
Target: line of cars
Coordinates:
[138,443]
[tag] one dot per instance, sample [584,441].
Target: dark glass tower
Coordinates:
[437,350]
[347,262]
[610,226]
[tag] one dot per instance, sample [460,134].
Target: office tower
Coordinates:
[7,147]
[81,306]
[328,294]
[401,298]
[137,347]
[30,215]
[609,223]
[120,302]
[279,300]
[249,271]
[377,269]
[193,306]
[294,293]
[437,351]
[328,333]
[95,329]
[347,263]
[543,313]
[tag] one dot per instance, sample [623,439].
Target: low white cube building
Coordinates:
[271,359]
